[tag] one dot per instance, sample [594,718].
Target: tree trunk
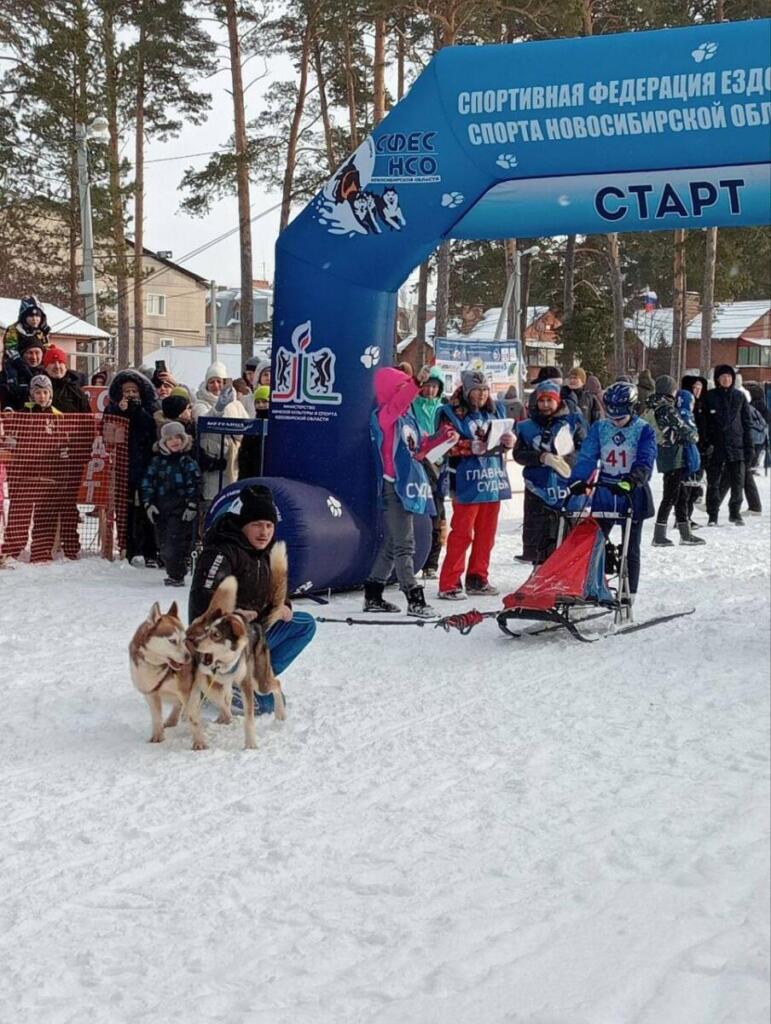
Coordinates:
[568,297]
[318,66]
[379,71]
[617,291]
[350,85]
[420,322]
[510,257]
[524,294]
[116,198]
[139,203]
[294,131]
[401,57]
[443,264]
[242,177]
[708,301]
[678,304]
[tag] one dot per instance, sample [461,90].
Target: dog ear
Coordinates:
[155,614]
[174,610]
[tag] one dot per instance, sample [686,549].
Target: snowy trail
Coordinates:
[447,829]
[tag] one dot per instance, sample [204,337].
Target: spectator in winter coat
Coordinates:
[575,393]
[37,442]
[761,422]
[404,489]
[672,435]
[99,379]
[239,544]
[69,396]
[20,369]
[251,453]
[425,408]
[546,471]
[218,453]
[593,387]
[686,403]
[729,445]
[624,447]
[646,389]
[32,324]
[132,399]
[171,490]
[176,409]
[513,406]
[698,387]
[478,483]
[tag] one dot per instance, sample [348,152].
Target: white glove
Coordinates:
[190,513]
[152,513]
[557,463]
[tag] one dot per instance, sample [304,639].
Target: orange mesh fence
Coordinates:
[63,484]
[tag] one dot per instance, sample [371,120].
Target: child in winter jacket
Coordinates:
[171,490]
[546,471]
[404,488]
[425,407]
[673,436]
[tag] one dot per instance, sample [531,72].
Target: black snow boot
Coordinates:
[416,605]
[660,536]
[687,536]
[374,600]
[736,519]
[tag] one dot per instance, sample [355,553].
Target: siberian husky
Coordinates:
[162,670]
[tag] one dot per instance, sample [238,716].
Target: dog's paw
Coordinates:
[223,719]
[250,744]
[200,745]
[157,737]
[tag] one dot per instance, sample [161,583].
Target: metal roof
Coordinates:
[62,323]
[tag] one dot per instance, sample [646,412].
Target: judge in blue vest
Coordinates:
[405,491]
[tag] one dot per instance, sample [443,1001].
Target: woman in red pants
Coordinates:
[478,484]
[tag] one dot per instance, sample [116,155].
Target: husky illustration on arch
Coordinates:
[349,206]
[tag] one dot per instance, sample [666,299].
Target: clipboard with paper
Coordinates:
[497,429]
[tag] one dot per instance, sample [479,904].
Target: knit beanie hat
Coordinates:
[471,379]
[548,373]
[216,370]
[262,394]
[256,503]
[172,430]
[253,363]
[41,381]
[174,405]
[665,385]
[548,387]
[180,392]
[31,342]
[54,355]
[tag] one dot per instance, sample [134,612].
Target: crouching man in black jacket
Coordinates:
[239,544]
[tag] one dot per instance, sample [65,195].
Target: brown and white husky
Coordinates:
[230,647]
[163,670]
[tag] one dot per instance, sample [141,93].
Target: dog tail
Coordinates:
[279,583]
[225,596]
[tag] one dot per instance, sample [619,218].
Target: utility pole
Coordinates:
[213,318]
[513,298]
[88,284]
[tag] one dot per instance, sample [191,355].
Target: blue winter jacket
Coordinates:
[621,453]
[534,437]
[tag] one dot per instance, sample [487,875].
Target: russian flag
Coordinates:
[651,300]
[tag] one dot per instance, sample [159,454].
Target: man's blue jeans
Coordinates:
[287,639]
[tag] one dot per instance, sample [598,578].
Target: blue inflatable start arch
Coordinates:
[635,132]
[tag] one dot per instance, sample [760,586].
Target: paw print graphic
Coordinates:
[704,52]
[370,356]
[506,160]
[334,506]
[452,199]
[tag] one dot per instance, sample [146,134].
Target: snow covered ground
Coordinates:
[447,830]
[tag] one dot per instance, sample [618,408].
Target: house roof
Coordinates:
[483,331]
[732,319]
[654,329]
[229,298]
[170,264]
[62,323]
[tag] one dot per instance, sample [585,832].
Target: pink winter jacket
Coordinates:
[395,392]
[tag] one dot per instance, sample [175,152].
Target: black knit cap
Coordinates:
[173,406]
[256,503]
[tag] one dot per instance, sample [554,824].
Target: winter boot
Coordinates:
[477,587]
[416,605]
[687,536]
[660,536]
[374,600]
[736,519]
[712,520]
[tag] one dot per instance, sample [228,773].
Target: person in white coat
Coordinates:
[214,398]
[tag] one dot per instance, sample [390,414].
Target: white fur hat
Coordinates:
[217,370]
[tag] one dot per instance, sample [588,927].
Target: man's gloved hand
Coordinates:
[623,488]
[190,513]
[579,487]
[228,395]
[152,513]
